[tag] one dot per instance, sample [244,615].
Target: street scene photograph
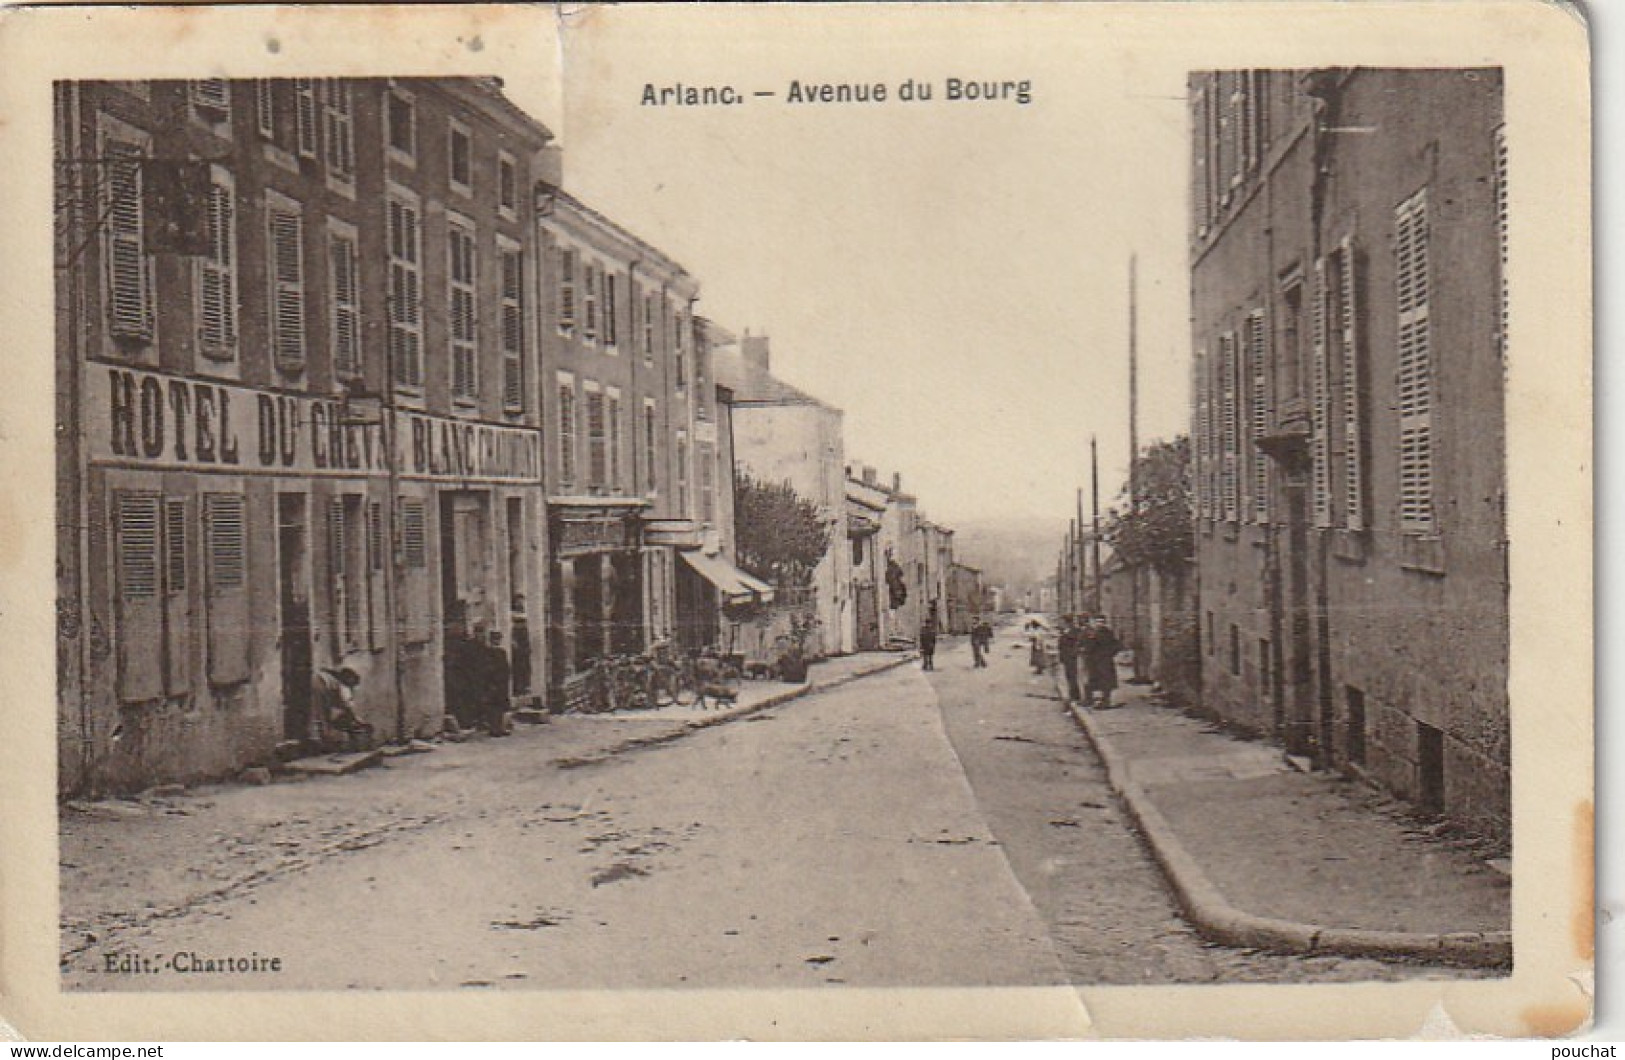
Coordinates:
[1019,522]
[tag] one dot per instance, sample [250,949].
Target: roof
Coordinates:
[753,385]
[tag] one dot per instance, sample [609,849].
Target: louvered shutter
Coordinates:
[225,528]
[513,332]
[589,278]
[288,288]
[346,313]
[377,601]
[1201,206]
[136,532]
[265,108]
[405,296]
[212,94]
[1320,411]
[1258,364]
[218,276]
[129,268]
[614,430]
[1415,372]
[1201,454]
[567,433]
[1502,231]
[339,128]
[567,288]
[1354,487]
[414,549]
[1228,399]
[305,111]
[610,335]
[343,632]
[597,452]
[464,367]
[177,598]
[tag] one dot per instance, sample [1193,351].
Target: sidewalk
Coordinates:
[1265,856]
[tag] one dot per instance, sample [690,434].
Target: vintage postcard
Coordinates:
[796,521]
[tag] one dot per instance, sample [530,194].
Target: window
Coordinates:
[1320,410]
[1265,681]
[129,267]
[405,295]
[682,474]
[567,430]
[597,439]
[1203,393]
[651,478]
[460,160]
[154,630]
[513,329]
[1212,639]
[1201,204]
[705,457]
[217,272]
[1415,366]
[226,530]
[339,123]
[265,108]
[1230,485]
[347,566]
[567,289]
[1235,650]
[507,184]
[344,285]
[305,114]
[648,327]
[212,96]
[610,334]
[1258,400]
[679,351]
[461,265]
[612,400]
[375,575]
[286,228]
[1292,339]
[1356,733]
[401,123]
[589,301]
[1344,317]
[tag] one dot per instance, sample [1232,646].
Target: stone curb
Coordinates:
[777,699]
[1216,919]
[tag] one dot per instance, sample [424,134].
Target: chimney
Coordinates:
[755,350]
[897,482]
[868,475]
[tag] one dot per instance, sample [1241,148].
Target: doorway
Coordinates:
[293,592]
[1430,768]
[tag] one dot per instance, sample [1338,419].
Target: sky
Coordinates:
[952,274]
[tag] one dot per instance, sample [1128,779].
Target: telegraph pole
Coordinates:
[1094,541]
[1134,450]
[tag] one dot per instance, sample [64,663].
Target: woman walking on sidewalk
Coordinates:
[1100,648]
[928,643]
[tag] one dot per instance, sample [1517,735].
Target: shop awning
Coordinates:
[734,584]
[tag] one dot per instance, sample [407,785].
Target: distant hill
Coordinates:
[1016,552]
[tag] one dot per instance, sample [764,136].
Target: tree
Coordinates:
[779,535]
[1159,531]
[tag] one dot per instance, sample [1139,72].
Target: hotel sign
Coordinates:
[137,418]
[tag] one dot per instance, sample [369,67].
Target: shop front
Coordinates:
[596,594]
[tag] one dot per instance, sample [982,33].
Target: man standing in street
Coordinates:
[1100,648]
[1067,647]
[496,679]
[928,642]
[981,639]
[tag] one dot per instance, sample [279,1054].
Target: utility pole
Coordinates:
[1134,452]
[1094,540]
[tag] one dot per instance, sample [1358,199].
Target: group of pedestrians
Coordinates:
[1092,642]
[479,678]
[981,640]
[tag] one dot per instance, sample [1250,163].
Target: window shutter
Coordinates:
[304,89]
[414,570]
[288,288]
[567,289]
[227,602]
[597,452]
[342,631]
[610,336]
[1258,363]
[567,433]
[1502,231]
[1228,402]
[346,313]
[615,430]
[212,94]
[217,311]
[1320,411]
[265,108]
[339,128]
[140,612]
[650,451]
[1415,373]
[461,280]
[1353,394]
[129,268]
[376,600]
[405,296]
[177,599]
[1200,203]
[513,332]
[589,277]
[1202,456]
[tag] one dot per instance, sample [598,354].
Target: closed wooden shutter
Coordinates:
[1258,363]
[1502,232]
[614,429]
[339,130]
[610,331]
[463,313]
[305,111]
[414,549]
[589,277]
[265,108]
[177,647]
[1320,410]
[1415,366]
[513,332]
[567,432]
[211,94]
[1230,427]
[346,310]
[217,315]
[567,288]
[343,630]
[1202,453]
[376,595]
[225,527]
[405,296]
[1354,484]
[287,236]
[137,534]
[129,268]
[597,447]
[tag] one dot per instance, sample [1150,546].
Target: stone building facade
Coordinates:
[1347,302]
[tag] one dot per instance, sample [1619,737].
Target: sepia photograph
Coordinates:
[934,500]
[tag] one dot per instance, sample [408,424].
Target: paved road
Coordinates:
[946,829]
